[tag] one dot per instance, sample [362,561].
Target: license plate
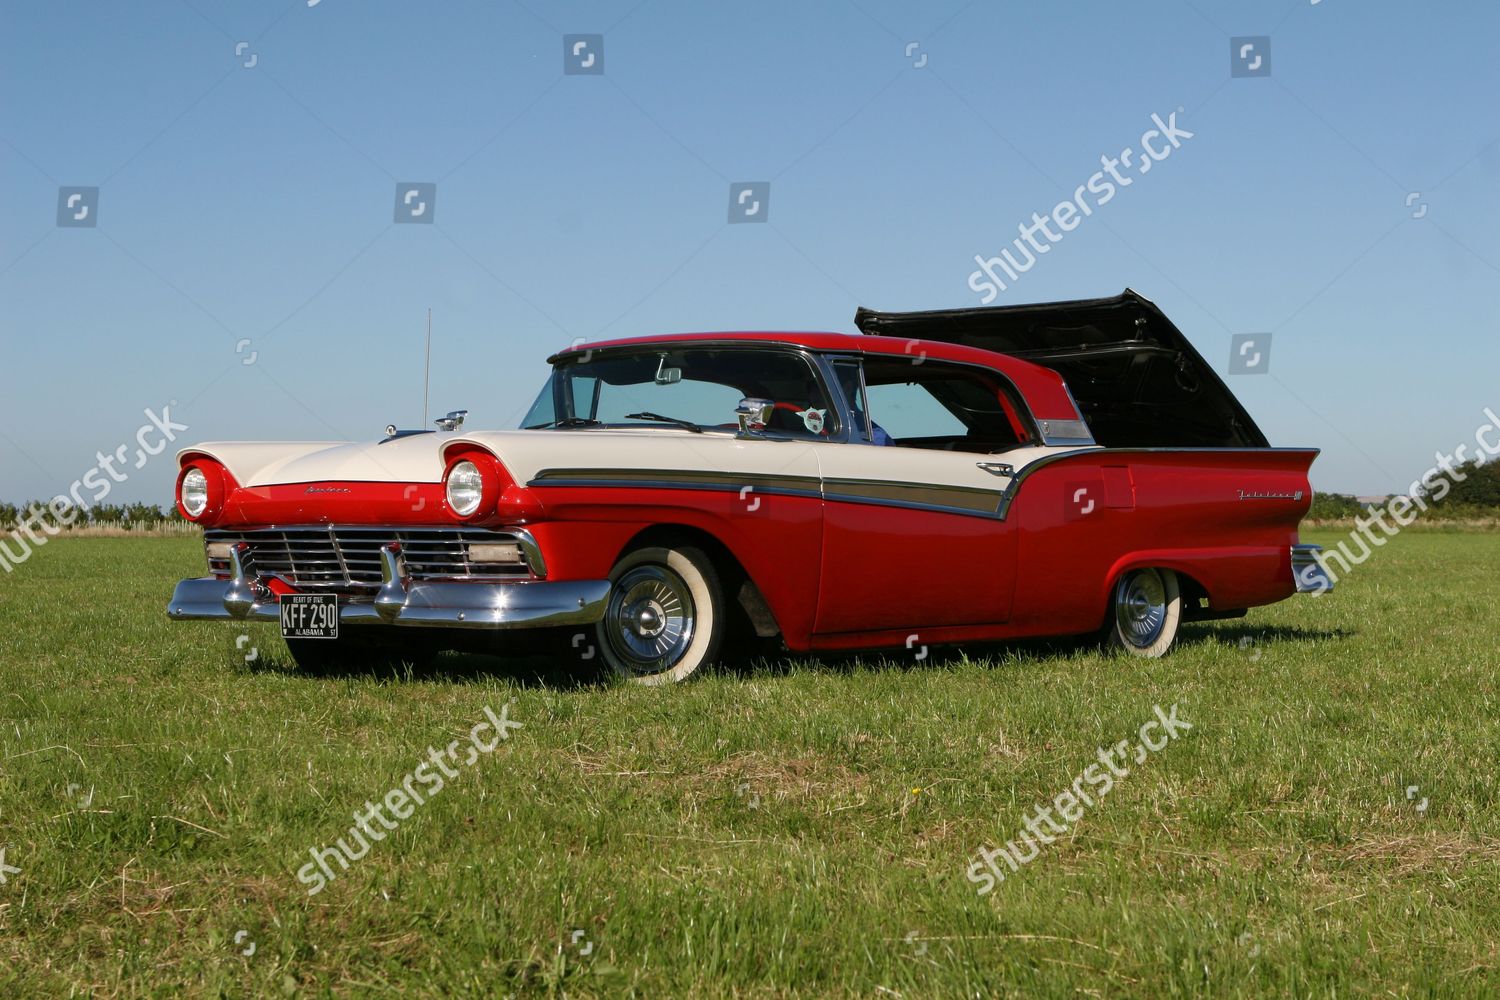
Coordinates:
[309,616]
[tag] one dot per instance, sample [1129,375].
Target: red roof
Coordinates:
[1043,388]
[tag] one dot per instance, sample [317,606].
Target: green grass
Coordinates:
[796,830]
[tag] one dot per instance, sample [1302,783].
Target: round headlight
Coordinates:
[194,492]
[465,488]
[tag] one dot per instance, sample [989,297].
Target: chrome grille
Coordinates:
[347,557]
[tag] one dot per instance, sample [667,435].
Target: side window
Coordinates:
[907,410]
[941,407]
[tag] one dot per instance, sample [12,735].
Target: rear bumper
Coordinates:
[1308,571]
[402,601]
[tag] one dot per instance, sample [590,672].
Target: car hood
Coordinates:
[1137,379]
[421,458]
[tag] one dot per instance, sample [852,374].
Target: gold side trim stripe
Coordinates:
[955,499]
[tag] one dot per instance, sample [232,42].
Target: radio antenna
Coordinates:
[427,369]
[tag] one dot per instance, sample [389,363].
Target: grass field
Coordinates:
[794,830]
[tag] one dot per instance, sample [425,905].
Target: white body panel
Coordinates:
[419,458]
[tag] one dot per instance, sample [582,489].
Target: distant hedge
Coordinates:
[103,516]
[1473,493]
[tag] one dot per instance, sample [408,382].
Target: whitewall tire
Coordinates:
[1144,612]
[665,615]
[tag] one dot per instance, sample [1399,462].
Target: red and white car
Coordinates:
[943,477]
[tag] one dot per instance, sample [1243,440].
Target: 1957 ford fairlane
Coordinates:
[941,477]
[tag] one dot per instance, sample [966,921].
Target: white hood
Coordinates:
[418,458]
[415,459]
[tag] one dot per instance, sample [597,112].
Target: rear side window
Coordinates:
[909,411]
[942,407]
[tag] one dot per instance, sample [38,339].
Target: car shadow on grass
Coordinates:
[580,670]
[1246,635]
[1020,652]
[555,672]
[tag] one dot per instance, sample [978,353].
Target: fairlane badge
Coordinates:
[328,489]
[1258,495]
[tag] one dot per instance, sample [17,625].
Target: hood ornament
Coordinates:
[453,421]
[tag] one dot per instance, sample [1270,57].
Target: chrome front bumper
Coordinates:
[1309,573]
[402,601]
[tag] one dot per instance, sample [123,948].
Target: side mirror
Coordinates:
[754,414]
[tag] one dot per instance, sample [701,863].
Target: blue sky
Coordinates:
[1346,203]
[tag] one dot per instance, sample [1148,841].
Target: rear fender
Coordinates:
[1225,517]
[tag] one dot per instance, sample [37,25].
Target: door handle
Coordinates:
[997,468]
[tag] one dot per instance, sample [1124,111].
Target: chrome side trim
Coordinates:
[674,484]
[1308,570]
[936,508]
[927,496]
[1065,433]
[680,479]
[967,500]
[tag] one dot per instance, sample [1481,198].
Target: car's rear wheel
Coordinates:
[665,615]
[1144,613]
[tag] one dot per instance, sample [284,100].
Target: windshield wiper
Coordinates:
[648,415]
[567,422]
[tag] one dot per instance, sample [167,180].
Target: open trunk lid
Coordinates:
[1137,380]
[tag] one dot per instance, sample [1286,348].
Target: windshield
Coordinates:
[698,388]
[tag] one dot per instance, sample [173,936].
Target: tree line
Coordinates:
[1476,494]
[105,515]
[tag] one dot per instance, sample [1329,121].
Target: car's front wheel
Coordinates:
[1144,613]
[665,615]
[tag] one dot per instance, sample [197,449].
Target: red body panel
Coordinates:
[779,545]
[337,503]
[897,568]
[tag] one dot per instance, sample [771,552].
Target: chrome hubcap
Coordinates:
[650,619]
[1141,608]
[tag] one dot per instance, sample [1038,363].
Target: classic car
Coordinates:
[944,477]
